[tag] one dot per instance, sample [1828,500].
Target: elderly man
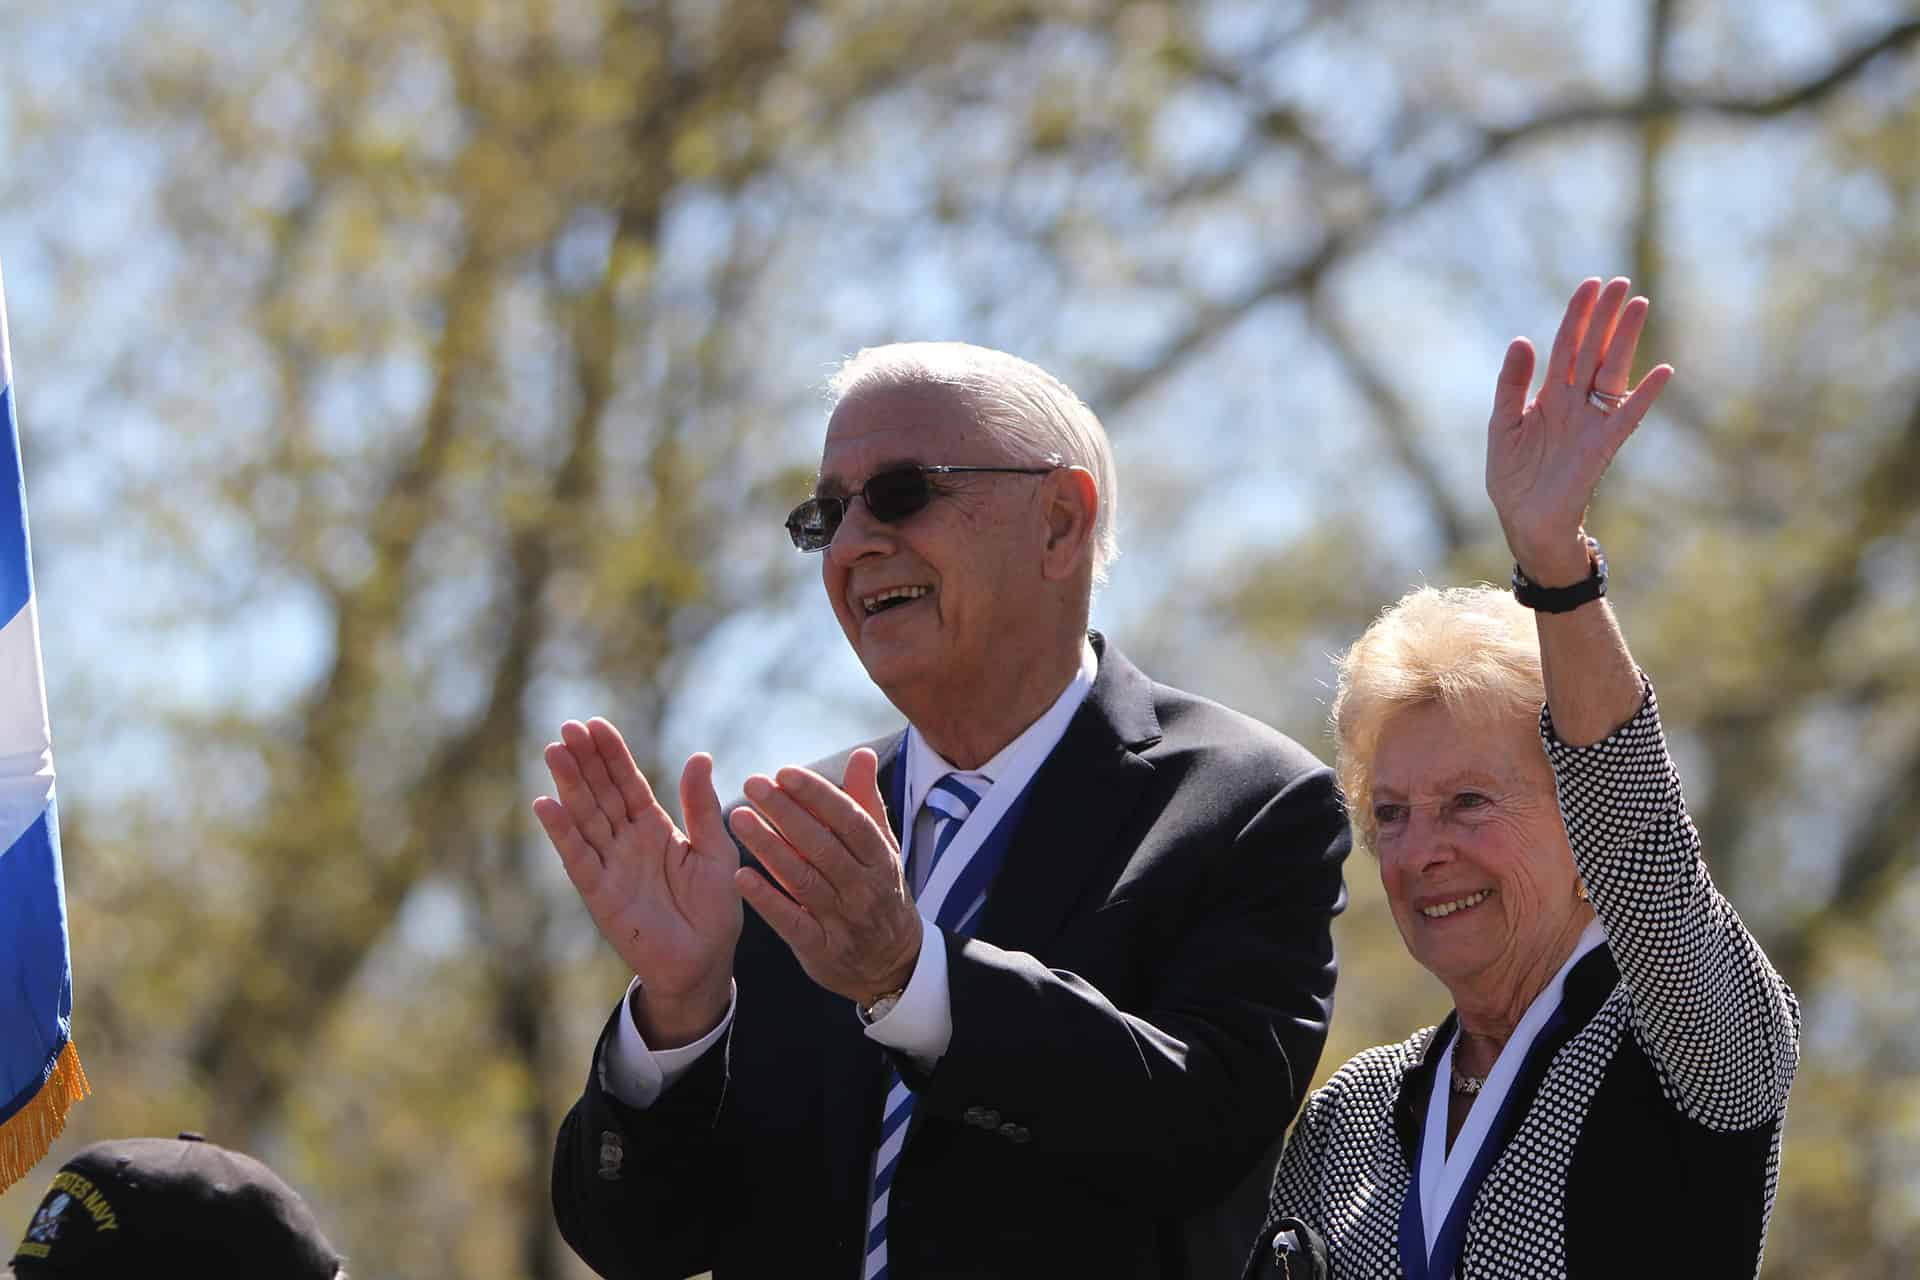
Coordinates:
[1028,989]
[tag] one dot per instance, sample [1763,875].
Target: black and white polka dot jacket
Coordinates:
[1652,1144]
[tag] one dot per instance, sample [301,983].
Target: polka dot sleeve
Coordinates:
[1714,1017]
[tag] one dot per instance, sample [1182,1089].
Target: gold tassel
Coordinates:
[28,1136]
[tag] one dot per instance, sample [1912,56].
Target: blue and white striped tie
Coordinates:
[949,801]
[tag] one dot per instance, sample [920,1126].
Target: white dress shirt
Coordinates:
[921,1024]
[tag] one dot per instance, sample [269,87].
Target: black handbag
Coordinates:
[1289,1249]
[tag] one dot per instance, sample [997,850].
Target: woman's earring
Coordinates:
[1580,888]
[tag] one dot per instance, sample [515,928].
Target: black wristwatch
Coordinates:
[1564,599]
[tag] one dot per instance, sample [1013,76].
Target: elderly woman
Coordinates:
[1606,1097]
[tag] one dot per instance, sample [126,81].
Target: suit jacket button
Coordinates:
[1015,1132]
[982,1117]
[613,1154]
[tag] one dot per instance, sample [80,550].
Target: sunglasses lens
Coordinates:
[890,496]
[813,523]
[895,495]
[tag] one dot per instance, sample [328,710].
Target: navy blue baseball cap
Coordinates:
[172,1206]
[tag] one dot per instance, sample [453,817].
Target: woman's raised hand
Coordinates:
[1545,457]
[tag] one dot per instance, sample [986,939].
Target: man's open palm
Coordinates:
[664,898]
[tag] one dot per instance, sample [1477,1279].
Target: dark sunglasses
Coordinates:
[891,496]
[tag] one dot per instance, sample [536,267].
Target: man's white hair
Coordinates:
[1029,408]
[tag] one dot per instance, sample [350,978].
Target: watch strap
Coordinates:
[1564,599]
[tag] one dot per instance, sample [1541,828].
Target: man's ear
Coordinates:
[1072,503]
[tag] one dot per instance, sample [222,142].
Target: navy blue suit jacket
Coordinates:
[1134,1025]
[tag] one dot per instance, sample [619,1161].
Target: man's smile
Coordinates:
[891,598]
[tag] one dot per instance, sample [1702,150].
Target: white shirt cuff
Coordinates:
[637,1075]
[921,1024]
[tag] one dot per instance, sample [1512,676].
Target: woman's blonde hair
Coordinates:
[1473,650]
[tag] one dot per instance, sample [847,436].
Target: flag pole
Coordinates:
[40,1073]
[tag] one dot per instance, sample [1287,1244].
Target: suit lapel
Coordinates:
[1083,796]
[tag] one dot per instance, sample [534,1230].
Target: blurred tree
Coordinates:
[417,374]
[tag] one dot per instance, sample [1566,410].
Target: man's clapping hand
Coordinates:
[850,918]
[664,898]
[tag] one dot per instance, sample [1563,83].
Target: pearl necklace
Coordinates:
[1466,1084]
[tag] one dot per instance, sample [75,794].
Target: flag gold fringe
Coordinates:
[29,1135]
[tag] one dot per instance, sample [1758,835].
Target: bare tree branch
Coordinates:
[1877,858]
[1396,425]
[1123,390]
[1739,747]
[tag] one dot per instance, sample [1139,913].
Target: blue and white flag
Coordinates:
[40,1075]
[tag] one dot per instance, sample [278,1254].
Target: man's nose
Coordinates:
[859,534]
